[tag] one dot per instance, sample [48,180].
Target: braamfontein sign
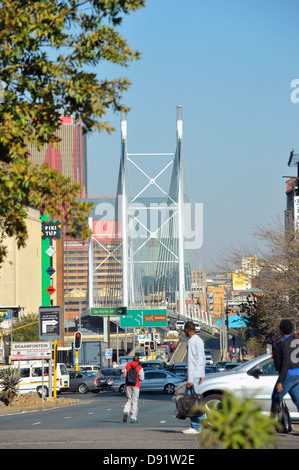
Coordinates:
[30,351]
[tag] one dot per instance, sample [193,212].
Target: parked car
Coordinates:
[170,343]
[197,326]
[84,381]
[252,379]
[221,365]
[90,368]
[111,374]
[154,381]
[178,371]
[166,351]
[124,359]
[178,364]
[157,338]
[232,365]
[211,369]
[154,364]
[209,357]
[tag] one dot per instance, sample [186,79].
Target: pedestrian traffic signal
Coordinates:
[78,340]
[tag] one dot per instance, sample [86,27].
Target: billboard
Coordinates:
[239,281]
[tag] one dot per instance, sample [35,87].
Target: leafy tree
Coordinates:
[278,279]
[49,49]
[26,329]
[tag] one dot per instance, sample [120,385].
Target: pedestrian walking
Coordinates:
[134,375]
[196,369]
[285,355]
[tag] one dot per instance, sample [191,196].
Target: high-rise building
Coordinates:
[107,262]
[69,156]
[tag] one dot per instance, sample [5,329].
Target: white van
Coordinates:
[32,380]
[179,326]
[90,368]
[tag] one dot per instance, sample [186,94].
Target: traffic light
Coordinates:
[152,345]
[78,340]
[146,350]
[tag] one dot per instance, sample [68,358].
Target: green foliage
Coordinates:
[9,379]
[49,49]
[26,329]
[238,425]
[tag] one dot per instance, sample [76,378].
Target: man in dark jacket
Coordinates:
[286,360]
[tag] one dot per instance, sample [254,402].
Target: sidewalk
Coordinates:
[172,440]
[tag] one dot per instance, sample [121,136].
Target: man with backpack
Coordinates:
[134,375]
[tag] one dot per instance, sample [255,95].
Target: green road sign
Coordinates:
[107,311]
[147,317]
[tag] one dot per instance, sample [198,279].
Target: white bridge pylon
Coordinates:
[168,252]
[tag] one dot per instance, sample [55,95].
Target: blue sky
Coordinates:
[230,64]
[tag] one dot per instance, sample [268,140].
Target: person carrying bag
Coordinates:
[187,405]
[282,416]
[286,363]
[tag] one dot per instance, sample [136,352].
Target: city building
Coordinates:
[107,266]
[20,273]
[292,204]
[69,156]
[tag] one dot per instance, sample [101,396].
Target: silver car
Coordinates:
[253,379]
[155,380]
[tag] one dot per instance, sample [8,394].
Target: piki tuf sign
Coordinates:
[51,229]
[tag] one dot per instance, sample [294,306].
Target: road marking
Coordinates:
[90,413]
[161,422]
[34,424]
[67,417]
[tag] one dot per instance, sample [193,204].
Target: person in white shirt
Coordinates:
[196,369]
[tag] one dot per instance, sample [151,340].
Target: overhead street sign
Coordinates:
[141,318]
[107,311]
[49,323]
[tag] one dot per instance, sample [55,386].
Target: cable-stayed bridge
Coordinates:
[158,232]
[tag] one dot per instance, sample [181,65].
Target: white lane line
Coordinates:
[91,413]
[35,424]
[67,417]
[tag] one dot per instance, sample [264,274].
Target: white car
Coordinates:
[209,357]
[197,326]
[253,379]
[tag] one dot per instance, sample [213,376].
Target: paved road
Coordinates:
[97,424]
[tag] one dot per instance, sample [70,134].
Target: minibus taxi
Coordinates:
[33,381]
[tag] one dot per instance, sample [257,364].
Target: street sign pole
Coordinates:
[55,370]
[108,328]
